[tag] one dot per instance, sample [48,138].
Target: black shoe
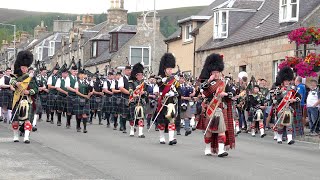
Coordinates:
[58,123]
[173,142]
[27,142]
[162,142]
[142,136]
[34,129]
[223,154]
[121,129]
[279,142]
[238,132]
[131,135]
[263,135]
[78,130]
[48,120]
[291,142]
[156,129]
[124,131]
[187,133]
[16,141]
[108,125]
[1,118]
[5,121]
[178,133]
[193,129]
[51,122]
[85,131]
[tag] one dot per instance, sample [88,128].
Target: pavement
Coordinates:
[103,153]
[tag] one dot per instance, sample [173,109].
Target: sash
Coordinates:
[290,94]
[165,90]
[136,92]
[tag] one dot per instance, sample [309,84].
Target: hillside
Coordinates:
[27,20]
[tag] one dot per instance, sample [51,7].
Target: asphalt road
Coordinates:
[60,153]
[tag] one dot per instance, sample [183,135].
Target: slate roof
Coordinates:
[245,4]
[101,37]
[102,58]
[176,35]
[125,28]
[252,30]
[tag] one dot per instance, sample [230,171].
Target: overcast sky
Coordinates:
[95,6]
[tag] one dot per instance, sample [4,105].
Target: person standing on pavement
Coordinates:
[6,95]
[313,102]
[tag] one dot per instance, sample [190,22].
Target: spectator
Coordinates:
[313,101]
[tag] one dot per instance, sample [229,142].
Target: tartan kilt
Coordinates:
[38,106]
[124,106]
[94,105]
[6,98]
[116,108]
[71,100]
[51,103]
[149,109]
[44,99]
[61,103]
[107,104]
[131,109]
[79,109]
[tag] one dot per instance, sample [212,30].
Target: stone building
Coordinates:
[117,44]
[252,34]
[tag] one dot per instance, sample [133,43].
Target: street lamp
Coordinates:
[14,37]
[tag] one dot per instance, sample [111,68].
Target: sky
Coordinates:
[95,6]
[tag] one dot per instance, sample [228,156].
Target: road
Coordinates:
[103,153]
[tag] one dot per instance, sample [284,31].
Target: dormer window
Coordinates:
[187,35]
[220,26]
[51,48]
[289,11]
[94,49]
[114,42]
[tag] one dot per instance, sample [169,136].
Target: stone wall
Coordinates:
[258,57]
[62,25]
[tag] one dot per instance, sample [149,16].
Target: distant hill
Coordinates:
[27,20]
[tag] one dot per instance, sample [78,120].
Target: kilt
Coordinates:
[131,109]
[149,109]
[124,106]
[81,108]
[44,99]
[51,103]
[61,103]
[6,96]
[38,106]
[107,104]
[70,102]
[116,107]
[161,118]
[94,105]
[187,113]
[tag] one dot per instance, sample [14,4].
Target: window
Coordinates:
[275,69]
[139,55]
[114,42]
[243,68]
[51,48]
[39,55]
[220,29]
[289,10]
[94,49]
[188,30]
[10,54]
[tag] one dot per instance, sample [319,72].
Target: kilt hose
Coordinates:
[6,97]
[107,104]
[81,106]
[51,103]
[61,103]
[96,102]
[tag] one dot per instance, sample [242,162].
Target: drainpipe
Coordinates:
[194,56]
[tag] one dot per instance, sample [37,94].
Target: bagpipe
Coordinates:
[213,112]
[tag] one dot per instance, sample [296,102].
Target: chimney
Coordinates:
[42,23]
[78,18]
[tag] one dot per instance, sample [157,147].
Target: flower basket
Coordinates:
[304,35]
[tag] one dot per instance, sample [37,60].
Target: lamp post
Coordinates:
[14,37]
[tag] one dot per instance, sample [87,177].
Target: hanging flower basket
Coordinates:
[304,35]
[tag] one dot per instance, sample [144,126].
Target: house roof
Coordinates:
[102,58]
[176,35]
[244,4]
[194,18]
[101,37]
[263,24]
[125,28]
[37,41]
[206,12]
